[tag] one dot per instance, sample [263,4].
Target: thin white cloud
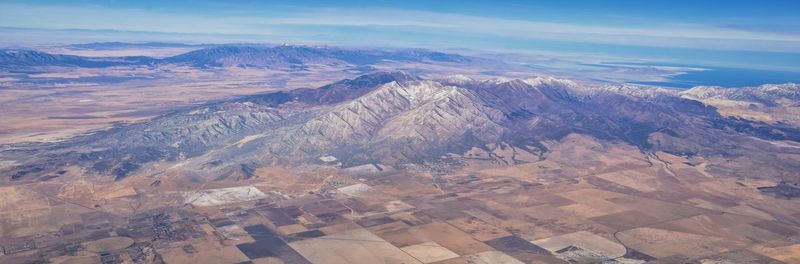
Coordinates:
[97,17]
[394,17]
[318,21]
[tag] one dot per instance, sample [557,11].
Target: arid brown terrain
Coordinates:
[293,154]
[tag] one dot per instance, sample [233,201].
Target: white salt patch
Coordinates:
[328,158]
[232,232]
[355,189]
[396,205]
[212,197]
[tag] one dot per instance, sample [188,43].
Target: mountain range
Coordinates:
[17,59]
[284,56]
[395,119]
[768,94]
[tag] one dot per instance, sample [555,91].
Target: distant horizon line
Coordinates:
[460,51]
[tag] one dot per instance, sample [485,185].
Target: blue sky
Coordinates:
[757,34]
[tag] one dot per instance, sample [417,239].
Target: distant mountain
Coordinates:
[395,118]
[768,94]
[278,57]
[13,58]
[288,56]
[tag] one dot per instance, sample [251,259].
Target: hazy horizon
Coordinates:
[745,35]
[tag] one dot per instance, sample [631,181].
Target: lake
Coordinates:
[727,77]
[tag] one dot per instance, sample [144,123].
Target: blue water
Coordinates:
[726,77]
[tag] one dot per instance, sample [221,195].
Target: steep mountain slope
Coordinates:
[422,114]
[337,92]
[184,134]
[395,119]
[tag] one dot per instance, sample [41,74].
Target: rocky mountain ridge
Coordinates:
[395,118]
